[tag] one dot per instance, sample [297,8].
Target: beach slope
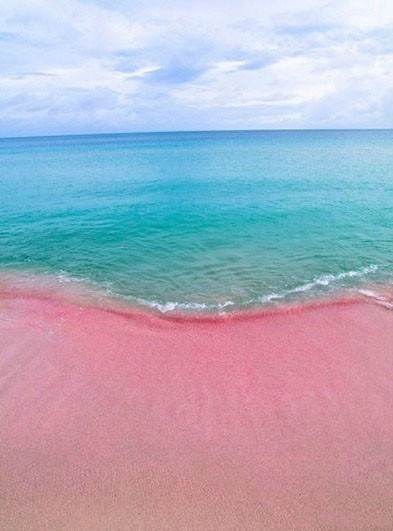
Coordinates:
[117,419]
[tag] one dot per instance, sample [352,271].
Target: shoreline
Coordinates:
[81,293]
[118,419]
[89,291]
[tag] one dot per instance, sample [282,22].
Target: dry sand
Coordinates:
[124,420]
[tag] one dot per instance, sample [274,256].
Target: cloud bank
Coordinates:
[98,66]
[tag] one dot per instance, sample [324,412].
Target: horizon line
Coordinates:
[180,131]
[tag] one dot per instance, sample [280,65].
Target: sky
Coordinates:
[97,66]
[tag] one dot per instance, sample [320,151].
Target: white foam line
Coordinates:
[170,306]
[377,298]
[323,280]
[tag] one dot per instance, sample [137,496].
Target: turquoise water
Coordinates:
[201,220]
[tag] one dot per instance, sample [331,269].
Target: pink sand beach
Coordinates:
[118,419]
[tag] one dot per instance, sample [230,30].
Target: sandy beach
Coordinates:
[196,265]
[115,419]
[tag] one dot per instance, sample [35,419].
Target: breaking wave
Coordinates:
[320,285]
[318,282]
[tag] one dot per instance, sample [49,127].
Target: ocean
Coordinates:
[201,221]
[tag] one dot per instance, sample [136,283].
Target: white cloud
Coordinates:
[97,66]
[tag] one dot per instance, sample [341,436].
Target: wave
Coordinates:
[323,280]
[185,306]
[377,298]
[316,286]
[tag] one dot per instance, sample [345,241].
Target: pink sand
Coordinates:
[124,420]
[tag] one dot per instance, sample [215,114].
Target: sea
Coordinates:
[201,221]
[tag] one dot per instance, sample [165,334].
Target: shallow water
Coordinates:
[190,221]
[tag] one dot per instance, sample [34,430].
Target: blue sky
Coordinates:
[81,66]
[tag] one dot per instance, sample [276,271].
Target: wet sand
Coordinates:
[115,419]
